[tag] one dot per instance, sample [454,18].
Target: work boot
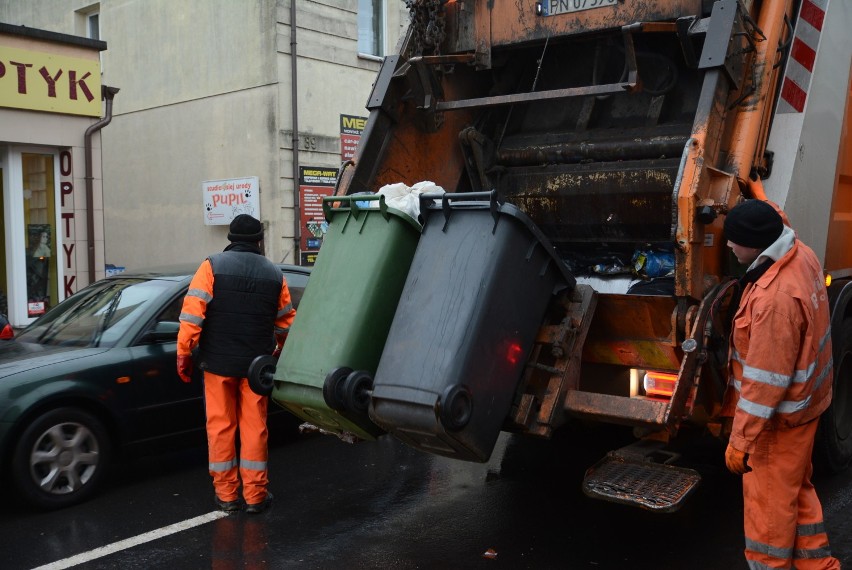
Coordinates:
[227,506]
[256,508]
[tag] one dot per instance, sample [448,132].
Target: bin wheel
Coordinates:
[261,374]
[456,407]
[356,391]
[332,388]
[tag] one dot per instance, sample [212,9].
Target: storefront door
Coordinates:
[4,287]
[31,218]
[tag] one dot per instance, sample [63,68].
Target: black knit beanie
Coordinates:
[753,223]
[245,228]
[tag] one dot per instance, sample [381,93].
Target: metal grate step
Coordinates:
[641,483]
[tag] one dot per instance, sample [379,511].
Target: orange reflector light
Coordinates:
[122,380]
[827,280]
[660,383]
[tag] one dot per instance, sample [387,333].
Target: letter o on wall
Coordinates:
[65,163]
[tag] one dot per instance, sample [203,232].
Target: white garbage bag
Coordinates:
[407,198]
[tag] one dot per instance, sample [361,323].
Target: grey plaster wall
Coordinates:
[206,95]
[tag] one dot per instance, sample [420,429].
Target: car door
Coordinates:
[165,405]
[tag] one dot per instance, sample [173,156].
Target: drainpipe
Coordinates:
[297,237]
[107,93]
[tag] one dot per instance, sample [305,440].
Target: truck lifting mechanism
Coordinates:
[623,131]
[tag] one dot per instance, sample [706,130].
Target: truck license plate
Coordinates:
[557,7]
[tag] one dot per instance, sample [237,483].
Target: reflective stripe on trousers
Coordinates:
[783,516]
[230,403]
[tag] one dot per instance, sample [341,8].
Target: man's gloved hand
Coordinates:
[184,367]
[280,339]
[736,460]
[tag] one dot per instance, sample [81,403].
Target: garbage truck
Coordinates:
[618,134]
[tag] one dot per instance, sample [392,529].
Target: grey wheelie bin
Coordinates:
[476,295]
[326,367]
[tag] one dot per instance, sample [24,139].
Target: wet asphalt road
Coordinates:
[384,505]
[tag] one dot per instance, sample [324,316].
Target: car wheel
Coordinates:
[61,458]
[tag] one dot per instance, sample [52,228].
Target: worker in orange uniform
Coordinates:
[237,308]
[781,375]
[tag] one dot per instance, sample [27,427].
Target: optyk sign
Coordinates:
[48,82]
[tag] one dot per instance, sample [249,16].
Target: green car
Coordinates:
[97,375]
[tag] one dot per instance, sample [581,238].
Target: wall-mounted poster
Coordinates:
[315,183]
[351,129]
[224,200]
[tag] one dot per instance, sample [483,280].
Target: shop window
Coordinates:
[371,27]
[4,285]
[40,236]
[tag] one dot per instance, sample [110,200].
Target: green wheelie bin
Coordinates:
[326,367]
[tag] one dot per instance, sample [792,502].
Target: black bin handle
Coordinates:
[490,196]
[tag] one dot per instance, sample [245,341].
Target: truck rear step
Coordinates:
[627,477]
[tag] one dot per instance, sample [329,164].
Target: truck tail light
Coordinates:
[660,383]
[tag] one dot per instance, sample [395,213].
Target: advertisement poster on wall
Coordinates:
[315,183]
[351,129]
[224,200]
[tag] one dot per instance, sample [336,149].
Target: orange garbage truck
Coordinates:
[616,135]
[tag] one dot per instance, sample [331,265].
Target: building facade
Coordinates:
[225,106]
[51,109]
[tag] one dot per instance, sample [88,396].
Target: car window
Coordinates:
[159,331]
[296,283]
[172,311]
[96,316]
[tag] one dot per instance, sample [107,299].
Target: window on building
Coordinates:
[371,27]
[87,21]
[93,30]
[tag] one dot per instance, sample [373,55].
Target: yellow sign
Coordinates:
[46,82]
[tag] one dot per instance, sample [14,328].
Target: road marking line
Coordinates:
[102,551]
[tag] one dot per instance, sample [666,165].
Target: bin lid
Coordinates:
[488,201]
[350,205]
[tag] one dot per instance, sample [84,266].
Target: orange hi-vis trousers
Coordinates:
[784,526]
[231,404]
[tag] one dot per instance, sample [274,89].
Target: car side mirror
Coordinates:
[163,331]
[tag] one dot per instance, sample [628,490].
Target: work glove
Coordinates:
[184,367]
[736,460]
[279,344]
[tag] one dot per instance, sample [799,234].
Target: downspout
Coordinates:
[107,93]
[294,101]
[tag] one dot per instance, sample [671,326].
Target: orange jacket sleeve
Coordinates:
[766,372]
[195,308]
[757,192]
[286,312]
